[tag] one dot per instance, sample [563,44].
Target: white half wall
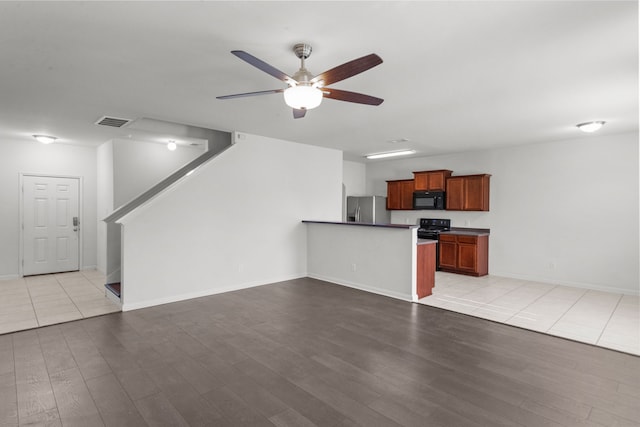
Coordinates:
[375,259]
[127,168]
[18,157]
[563,212]
[234,223]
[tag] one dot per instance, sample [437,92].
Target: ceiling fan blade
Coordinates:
[241,95]
[261,65]
[343,95]
[348,69]
[299,113]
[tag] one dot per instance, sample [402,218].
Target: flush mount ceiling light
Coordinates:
[171,146]
[590,127]
[45,139]
[390,154]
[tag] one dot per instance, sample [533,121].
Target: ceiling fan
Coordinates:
[306,91]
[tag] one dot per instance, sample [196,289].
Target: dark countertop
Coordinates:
[426,242]
[364,224]
[468,231]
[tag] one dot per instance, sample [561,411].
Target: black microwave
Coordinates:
[428,200]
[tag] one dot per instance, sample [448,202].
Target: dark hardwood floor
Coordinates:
[307,353]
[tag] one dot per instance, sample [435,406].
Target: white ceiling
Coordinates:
[456,76]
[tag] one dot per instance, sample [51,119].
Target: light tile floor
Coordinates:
[34,301]
[600,318]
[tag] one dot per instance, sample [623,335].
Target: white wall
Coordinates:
[354,178]
[234,223]
[140,165]
[375,259]
[104,169]
[564,212]
[18,157]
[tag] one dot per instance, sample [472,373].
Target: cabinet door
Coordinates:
[455,194]
[400,194]
[393,195]
[426,269]
[421,181]
[431,180]
[476,194]
[467,254]
[437,180]
[448,251]
[406,195]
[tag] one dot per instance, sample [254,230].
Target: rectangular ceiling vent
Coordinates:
[114,122]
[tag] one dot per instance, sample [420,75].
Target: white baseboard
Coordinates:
[590,286]
[10,277]
[366,288]
[205,293]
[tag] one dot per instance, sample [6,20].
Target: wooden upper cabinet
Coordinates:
[400,194]
[431,180]
[468,192]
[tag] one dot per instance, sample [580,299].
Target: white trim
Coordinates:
[21,215]
[9,277]
[208,292]
[591,286]
[366,288]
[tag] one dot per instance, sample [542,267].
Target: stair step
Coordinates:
[114,288]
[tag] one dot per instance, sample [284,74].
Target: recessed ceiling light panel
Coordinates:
[390,154]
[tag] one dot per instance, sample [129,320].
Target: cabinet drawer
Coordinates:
[468,239]
[447,238]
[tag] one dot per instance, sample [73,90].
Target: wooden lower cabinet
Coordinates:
[464,254]
[426,269]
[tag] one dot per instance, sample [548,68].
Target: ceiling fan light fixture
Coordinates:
[390,154]
[45,139]
[590,127]
[303,97]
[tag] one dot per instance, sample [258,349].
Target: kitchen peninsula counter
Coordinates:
[386,259]
[362,224]
[467,231]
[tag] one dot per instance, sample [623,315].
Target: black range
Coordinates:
[430,228]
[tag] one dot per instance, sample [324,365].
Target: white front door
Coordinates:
[50,222]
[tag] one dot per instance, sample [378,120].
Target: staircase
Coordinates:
[218,142]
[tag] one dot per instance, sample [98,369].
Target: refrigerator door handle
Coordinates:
[358,214]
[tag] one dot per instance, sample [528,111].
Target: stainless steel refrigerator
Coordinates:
[368,209]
